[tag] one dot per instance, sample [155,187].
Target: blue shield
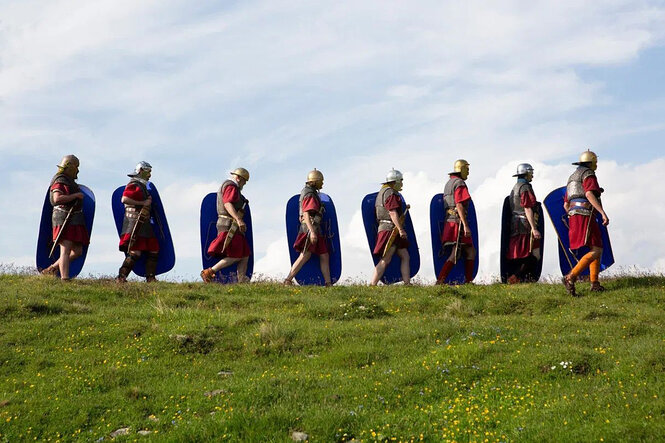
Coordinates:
[310,273]
[393,273]
[439,253]
[45,239]
[160,227]
[208,229]
[509,267]
[567,257]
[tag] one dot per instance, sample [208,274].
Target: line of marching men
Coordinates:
[226,233]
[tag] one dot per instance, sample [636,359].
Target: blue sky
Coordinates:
[352,89]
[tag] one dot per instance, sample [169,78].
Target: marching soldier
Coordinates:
[230,246]
[456,231]
[137,236]
[391,237]
[524,245]
[69,229]
[310,239]
[581,200]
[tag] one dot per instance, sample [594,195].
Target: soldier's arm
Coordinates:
[532,222]
[231,210]
[394,217]
[462,215]
[307,218]
[60,199]
[130,201]
[598,206]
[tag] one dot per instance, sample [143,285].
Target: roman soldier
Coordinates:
[311,239]
[456,230]
[230,245]
[581,200]
[137,236]
[524,244]
[68,222]
[391,236]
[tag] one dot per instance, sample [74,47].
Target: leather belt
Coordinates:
[66,209]
[582,205]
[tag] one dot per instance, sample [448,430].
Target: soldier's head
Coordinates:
[143,170]
[588,159]
[69,165]
[394,179]
[525,171]
[315,179]
[241,176]
[461,168]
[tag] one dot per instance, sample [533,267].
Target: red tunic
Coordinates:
[393,203]
[518,247]
[310,204]
[238,247]
[73,233]
[451,228]
[577,224]
[149,244]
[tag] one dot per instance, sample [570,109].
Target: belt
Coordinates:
[65,209]
[583,205]
[224,216]
[452,212]
[386,221]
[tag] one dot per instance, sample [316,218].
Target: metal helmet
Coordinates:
[461,167]
[588,157]
[68,160]
[315,176]
[140,166]
[241,172]
[394,176]
[523,169]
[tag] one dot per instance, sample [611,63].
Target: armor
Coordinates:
[588,157]
[519,223]
[241,172]
[382,214]
[575,191]
[315,176]
[461,167]
[60,211]
[132,214]
[449,198]
[224,219]
[309,191]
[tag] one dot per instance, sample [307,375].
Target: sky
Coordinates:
[351,88]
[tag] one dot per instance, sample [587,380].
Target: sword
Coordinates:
[62,228]
[457,241]
[143,215]
[394,233]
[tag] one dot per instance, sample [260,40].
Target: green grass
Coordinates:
[498,363]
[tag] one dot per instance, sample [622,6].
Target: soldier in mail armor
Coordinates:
[388,210]
[136,227]
[230,246]
[311,239]
[524,244]
[581,200]
[65,196]
[456,231]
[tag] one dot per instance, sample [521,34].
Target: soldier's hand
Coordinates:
[537,235]
[79,195]
[148,201]
[402,233]
[313,238]
[467,231]
[606,220]
[242,226]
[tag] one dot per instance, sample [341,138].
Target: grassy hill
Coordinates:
[259,362]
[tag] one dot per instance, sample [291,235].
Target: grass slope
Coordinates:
[257,362]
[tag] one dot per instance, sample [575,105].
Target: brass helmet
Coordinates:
[524,169]
[461,167]
[67,164]
[588,157]
[241,172]
[316,177]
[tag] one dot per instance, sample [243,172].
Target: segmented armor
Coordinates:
[60,211]
[382,214]
[579,204]
[224,219]
[519,223]
[449,198]
[316,219]
[132,214]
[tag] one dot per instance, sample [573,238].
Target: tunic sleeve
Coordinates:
[527,199]
[393,203]
[60,187]
[462,194]
[310,204]
[230,195]
[591,184]
[133,192]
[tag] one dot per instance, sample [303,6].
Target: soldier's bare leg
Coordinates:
[225,262]
[66,248]
[382,265]
[242,270]
[297,266]
[324,261]
[405,265]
